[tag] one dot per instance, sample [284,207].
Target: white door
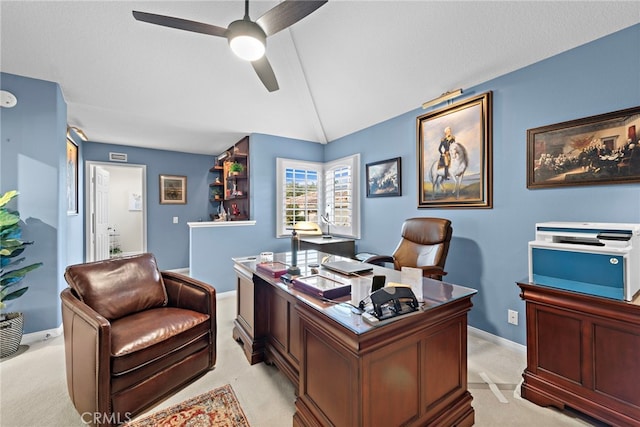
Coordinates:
[99,214]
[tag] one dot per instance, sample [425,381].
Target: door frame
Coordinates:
[88,195]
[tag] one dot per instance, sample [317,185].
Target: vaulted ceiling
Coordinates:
[347,66]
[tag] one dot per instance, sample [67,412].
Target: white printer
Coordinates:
[590,257]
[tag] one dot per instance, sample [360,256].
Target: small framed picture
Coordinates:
[384,178]
[173,190]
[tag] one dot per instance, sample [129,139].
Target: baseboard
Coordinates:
[227,294]
[502,342]
[184,271]
[41,335]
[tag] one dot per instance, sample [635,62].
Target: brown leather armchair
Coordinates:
[133,335]
[424,244]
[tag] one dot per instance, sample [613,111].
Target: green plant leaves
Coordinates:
[11,246]
[6,197]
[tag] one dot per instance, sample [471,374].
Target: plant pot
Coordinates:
[11,334]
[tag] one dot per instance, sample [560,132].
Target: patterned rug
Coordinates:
[217,408]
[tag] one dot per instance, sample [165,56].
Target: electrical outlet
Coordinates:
[512,317]
[175,219]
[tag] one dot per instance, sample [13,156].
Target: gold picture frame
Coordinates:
[173,190]
[455,155]
[594,150]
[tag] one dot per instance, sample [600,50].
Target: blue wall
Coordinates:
[33,161]
[168,241]
[489,248]
[212,248]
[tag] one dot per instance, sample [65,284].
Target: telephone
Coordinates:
[392,301]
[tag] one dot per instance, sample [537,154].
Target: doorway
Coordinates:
[116,211]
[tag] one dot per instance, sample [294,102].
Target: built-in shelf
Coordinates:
[227,184]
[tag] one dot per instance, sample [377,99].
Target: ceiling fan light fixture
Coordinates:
[247,40]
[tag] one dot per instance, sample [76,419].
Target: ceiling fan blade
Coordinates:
[180,24]
[266,74]
[286,14]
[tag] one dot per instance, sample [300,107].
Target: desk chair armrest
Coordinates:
[433,271]
[380,260]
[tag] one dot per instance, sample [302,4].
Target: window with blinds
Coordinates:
[300,196]
[308,190]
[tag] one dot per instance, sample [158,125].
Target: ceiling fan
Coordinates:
[247,38]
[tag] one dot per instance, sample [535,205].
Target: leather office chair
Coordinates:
[424,244]
[133,335]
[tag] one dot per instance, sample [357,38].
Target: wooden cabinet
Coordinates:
[250,325]
[230,184]
[582,352]
[412,371]
[335,245]
[409,373]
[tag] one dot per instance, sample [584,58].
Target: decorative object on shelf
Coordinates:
[236,168]
[222,214]
[455,155]
[234,209]
[384,178]
[173,190]
[11,324]
[72,177]
[600,149]
[216,193]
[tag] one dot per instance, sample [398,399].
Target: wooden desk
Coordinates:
[412,371]
[342,246]
[582,352]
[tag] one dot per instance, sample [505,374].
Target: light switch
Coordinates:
[175,219]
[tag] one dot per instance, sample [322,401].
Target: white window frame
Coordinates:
[281,166]
[322,169]
[352,162]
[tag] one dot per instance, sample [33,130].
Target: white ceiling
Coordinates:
[347,66]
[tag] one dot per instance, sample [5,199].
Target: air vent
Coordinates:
[117,157]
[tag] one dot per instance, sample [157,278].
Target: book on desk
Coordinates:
[321,286]
[274,269]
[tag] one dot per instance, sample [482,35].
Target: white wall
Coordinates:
[125,181]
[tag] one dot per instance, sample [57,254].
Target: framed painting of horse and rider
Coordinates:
[455,155]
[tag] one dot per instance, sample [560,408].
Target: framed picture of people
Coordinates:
[594,150]
[455,155]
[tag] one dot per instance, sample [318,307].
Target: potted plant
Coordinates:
[236,168]
[216,193]
[12,246]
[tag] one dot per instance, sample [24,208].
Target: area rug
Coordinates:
[219,408]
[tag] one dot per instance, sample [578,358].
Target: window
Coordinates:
[308,190]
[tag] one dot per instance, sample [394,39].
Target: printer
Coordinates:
[595,258]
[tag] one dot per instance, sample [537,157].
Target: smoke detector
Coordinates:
[7,99]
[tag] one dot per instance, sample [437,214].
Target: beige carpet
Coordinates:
[33,389]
